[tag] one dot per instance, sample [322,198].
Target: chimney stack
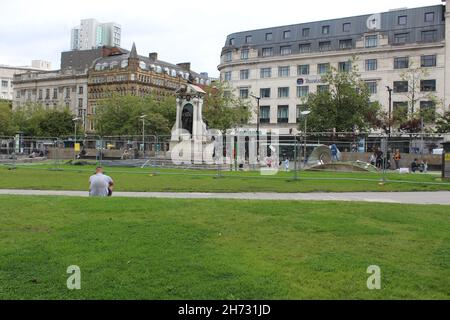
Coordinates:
[185,65]
[153,56]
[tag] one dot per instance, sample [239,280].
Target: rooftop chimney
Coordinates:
[185,65]
[153,56]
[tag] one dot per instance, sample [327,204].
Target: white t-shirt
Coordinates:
[99,184]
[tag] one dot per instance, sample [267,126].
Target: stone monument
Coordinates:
[190,139]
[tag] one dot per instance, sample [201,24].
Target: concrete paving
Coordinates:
[438,197]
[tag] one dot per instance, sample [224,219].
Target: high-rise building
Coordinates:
[283,65]
[91,34]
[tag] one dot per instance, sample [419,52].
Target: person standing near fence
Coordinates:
[397,158]
[100,185]
[334,152]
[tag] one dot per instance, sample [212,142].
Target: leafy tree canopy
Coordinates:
[344,105]
[222,110]
[120,115]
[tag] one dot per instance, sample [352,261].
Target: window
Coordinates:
[401,38]
[429,17]
[232,42]
[4,84]
[302,91]
[18,94]
[264,114]
[371,64]
[429,36]
[227,76]
[269,36]
[267,52]
[55,93]
[284,72]
[323,68]
[244,54]
[40,94]
[371,41]
[80,103]
[283,114]
[306,32]
[326,30]
[400,86]
[428,111]
[346,27]
[244,74]
[428,85]
[248,39]
[243,93]
[47,93]
[325,46]
[287,34]
[344,66]
[266,73]
[401,63]
[305,47]
[300,109]
[303,70]
[80,90]
[345,44]
[323,88]
[228,56]
[283,92]
[372,86]
[428,61]
[402,20]
[264,93]
[285,50]
[400,110]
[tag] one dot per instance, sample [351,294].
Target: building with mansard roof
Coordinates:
[130,73]
[283,65]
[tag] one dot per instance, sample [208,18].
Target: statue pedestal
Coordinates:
[190,141]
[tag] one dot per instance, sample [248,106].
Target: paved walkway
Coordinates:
[438,197]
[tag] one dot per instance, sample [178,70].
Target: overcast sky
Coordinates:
[180,31]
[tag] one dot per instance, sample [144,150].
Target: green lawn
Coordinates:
[132,179]
[210,249]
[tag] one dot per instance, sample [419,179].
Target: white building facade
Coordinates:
[91,34]
[7,76]
[283,65]
[53,90]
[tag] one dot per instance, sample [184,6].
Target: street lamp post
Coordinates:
[389,89]
[305,114]
[143,133]
[75,120]
[257,123]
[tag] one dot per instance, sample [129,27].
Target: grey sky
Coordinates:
[180,31]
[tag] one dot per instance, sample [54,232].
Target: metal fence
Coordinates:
[324,152]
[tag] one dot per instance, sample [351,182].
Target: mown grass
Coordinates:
[177,180]
[218,249]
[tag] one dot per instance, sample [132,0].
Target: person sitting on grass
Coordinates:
[415,166]
[100,185]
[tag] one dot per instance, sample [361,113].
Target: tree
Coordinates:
[120,115]
[36,121]
[6,124]
[443,123]
[411,119]
[345,106]
[222,110]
